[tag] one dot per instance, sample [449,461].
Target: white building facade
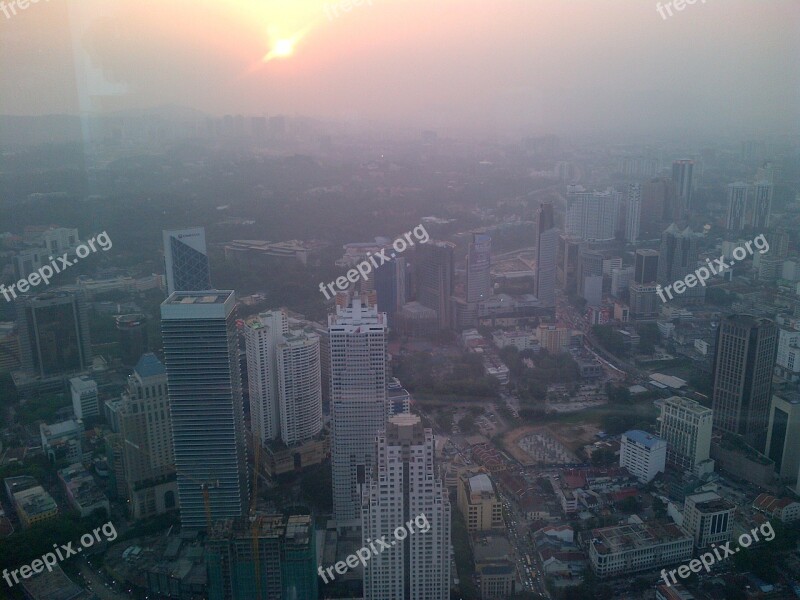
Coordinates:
[643,454]
[404,492]
[357,340]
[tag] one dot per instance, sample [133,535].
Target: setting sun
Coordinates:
[282,49]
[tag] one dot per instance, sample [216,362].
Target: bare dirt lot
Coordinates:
[570,436]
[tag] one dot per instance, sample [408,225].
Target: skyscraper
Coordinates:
[132,336]
[434,272]
[646,266]
[682,172]
[590,265]
[185,260]
[677,258]
[146,431]
[743,365]
[479,263]
[404,488]
[657,202]
[390,285]
[737,206]
[591,215]
[358,402]
[53,334]
[201,352]
[283,368]
[546,256]
[783,432]
[762,204]
[568,252]
[634,212]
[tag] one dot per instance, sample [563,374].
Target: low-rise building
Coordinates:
[643,454]
[85,400]
[497,581]
[709,518]
[32,503]
[82,493]
[628,549]
[62,440]
[783,509]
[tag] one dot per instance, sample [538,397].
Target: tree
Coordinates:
[603,458]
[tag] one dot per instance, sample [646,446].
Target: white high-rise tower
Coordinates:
[358,402]
[404,493]
[284,377]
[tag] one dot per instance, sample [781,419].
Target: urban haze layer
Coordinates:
[481,342]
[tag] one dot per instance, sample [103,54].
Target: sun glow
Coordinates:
[283,48]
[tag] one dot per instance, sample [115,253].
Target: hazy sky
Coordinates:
[723,66]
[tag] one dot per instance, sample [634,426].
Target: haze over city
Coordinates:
[399,299]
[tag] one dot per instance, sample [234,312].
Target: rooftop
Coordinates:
[481,484]
[205,297]
[648,440]
[623,538]
[149,366]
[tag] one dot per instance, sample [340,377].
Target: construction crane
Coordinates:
[204,486]
[253,502]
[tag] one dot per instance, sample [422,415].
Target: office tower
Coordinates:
[708,518]
[434,272]
[568,252]
[620,280]
[53,334]
[591,215]
[646,266]
[201,353]
[271,557]
[145,427]
[686,427]
[762,204]
[390,285]
[132,336]
[479,263]
[283,368]
[678,256]
[643,300]
[768,172]
[737,206]
[783,432]
[634,213]
[85,400]
[186,260]
[404,486]
[743,364]
[546,256]
[787,362]
[643,454]
[682,171]
[590,264]
[657,203]
[358,402]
